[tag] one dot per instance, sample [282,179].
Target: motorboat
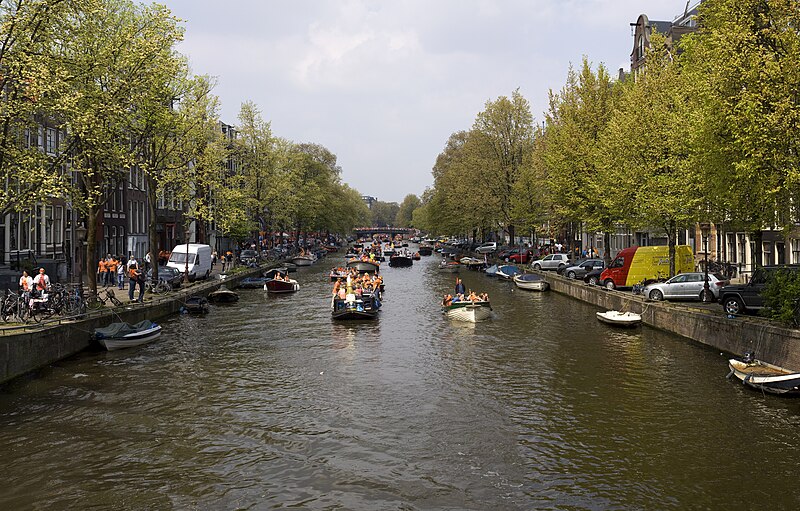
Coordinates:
[530,281]
[401,260]
[491,271]
[618,318]
[223,295]
[252,282]
[304,260]
[353,307]
[270,274]
[425,250]
[507,271]
[469,311]
[764,376]
[364,266]
[196,304]
[449,266]
[124,335]
[281,286]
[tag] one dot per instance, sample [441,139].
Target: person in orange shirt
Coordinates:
[111,270]
[101,271]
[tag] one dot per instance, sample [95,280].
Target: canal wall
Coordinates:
[27,348]
[769,341]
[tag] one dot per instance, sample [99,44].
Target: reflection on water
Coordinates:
[268,403]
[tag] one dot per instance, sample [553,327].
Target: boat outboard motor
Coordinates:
[749,357]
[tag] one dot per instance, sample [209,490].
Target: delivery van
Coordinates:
[636,264]
[198,255]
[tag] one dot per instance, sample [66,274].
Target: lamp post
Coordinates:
[705,229]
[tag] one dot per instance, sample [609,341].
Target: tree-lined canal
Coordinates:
[268,403]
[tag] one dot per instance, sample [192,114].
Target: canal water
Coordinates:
[268,403]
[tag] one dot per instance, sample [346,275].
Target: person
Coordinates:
[25,282]
[111,270]
[213,259]
[101,271]
[147,261]
[460,290]
[447,300]
[135,276]
[121,275]
[41,283]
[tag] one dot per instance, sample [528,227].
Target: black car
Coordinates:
[168,274]
[740,298]
[593,276]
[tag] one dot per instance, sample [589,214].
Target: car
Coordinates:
[168,274]
[579,271]
[521,256]
[557,262]
[741,298]
[593,277]
[685,286]
[487,248]
[248,256]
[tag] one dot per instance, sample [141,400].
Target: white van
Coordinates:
[199,257]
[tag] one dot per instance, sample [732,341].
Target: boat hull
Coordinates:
[281,286]
[537,284]
[354,310]
[363,266]
[621,319]
[766,377]
[471,312]
[131,340]
[400,262]
[303,261]
[450,267]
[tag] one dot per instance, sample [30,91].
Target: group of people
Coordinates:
[461,295]
[32,288]
[356,284]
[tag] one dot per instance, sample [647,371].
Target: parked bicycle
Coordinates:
[102,298]
[161,287]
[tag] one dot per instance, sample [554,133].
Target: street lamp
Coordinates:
[705,229]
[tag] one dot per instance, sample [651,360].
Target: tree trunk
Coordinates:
[512,233]
[607,248]
[671,236]
[91,247]
[152,233]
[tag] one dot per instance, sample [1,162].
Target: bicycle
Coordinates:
[101,299]
[161,287]
[14,306]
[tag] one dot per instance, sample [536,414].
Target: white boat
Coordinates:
[449,266]
[625,319]
[531,282]
[469,311]
[766,377]
[124,335]
[304,260]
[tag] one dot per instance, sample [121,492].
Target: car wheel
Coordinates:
[733,305]
[561,268]
[656,295]
[594,280]
[610,284]
[571,275]
[537,267]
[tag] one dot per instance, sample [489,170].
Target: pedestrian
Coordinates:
[111,270]
[213,259]
[25,282]
[460,290]
[121,274]
[41,283]
[147,261]
[101,271]
[135,276]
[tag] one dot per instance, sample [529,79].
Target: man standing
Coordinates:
[460,290]
[135,276]
[41,283]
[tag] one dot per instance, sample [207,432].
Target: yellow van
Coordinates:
[636,264]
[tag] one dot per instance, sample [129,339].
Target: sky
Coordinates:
[383,84]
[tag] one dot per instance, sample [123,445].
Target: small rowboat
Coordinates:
[766,377]
[304,260]
[617,318]
[252,282]
[196,304]
[223,295]
[531,282]
[124,335]
[469,311]
[507,271]
[449,266]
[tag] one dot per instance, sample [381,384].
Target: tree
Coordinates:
[384,213]
[405,214]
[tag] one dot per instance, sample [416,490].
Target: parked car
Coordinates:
[685,286]
[741,298]
[593,277]
[487,248]
[522,256]
[579,271]
[168,274]
[557,262]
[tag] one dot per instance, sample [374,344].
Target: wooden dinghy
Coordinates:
[617,318]
[764,376]
[469,311]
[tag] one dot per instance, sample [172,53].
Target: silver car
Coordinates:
[556,262]
[579,271]
[685,286]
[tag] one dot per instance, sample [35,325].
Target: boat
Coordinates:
[530,281]
[223,295]
[196,304]
[401,260]
[338,273]
[449,266]
[416,256]
[124,335]
[617,318]
[469,311]
[270,274]
[507,271]
[304,260]
[364,266]
[281,286]
[491,271]
[472,263]
[425,250]
[353,307]
[252,282]
[764,376]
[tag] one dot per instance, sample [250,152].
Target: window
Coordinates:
[619,262]
[795,251]
[52,141]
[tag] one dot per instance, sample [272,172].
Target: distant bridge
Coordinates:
[369,231]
